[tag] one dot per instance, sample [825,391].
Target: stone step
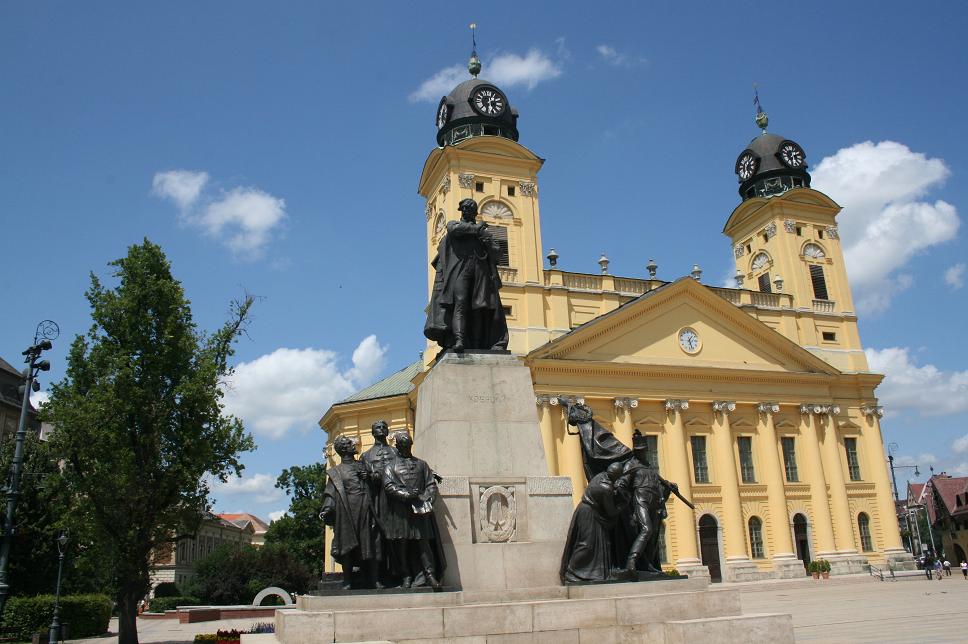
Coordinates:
[616,607]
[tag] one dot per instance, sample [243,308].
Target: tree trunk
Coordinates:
[128,600]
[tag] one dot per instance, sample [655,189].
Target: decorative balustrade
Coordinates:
[823,306]
[586,282]
[730,295]
[765,299]
[630,286]
[508,275]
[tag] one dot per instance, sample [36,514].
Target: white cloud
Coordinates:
[955,276]
[243,218]
[291,388]
[611,56]
[884,222]
[260,488]
[505,70]
[181,186]
[278,514]
[922,460]
[926,389]
[39,398]
[960,445]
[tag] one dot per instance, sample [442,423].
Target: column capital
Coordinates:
[626,403]
[819,409]
[561,399]
[724,406]
[673,404]
[872,411]
[543,400]
[769,408]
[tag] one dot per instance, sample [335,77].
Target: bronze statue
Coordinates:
[348,508]
[465,306]
[409,525]
[589,554]
[376,460]
[647,493]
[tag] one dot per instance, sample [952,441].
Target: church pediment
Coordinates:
[657,329]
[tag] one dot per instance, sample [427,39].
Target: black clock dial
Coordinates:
[792,155]
[488,101]
[442,113]
[746,165]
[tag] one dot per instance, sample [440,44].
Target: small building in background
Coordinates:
[10,401]
[244,519]
[176,561]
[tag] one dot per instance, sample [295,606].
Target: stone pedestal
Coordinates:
[788,568]
[503,520]
[742,570]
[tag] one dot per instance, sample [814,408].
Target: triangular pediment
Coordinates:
[647,331]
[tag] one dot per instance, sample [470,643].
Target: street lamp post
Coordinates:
[46,331]
[891,448]
[55,626]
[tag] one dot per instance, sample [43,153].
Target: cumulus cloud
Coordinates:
[955,276]
[926,389]
[278,514]
[243,218]
[291,388]
[505,70]
[960,445]
[39,398]
[260,488]
[885,221]
[181,186]
[611,56]
[923,459]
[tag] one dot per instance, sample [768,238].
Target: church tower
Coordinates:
[478,157]
[785,241]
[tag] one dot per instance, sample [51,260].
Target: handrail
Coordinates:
[877,572]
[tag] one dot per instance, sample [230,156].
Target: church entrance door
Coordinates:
[709,546]
[801,539]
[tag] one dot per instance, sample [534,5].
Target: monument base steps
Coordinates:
[664,611]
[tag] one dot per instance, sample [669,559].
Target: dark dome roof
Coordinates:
[463,121]
[771,175]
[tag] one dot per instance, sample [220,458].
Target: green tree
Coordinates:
[300,529]
[139,420]
[234,575]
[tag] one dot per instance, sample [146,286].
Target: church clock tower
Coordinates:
[478,157]
[785,240]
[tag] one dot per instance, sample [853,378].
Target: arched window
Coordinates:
[864,525]
[756,538]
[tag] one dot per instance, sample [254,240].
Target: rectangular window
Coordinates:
[799,231]
[749,249]
[764,282]
[820,233]
[790,459]
[507,311]
[500,235]
[829,336]
[652,451]
[853,464]
[479,186]
[510,191]
[700,467]
[819,283]
[746,459]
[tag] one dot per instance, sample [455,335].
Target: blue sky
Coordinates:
[275,149]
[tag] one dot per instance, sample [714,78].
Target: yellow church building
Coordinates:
[757,400]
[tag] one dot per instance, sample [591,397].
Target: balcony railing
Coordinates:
[765,299]
[730,295]
[630,286]
[586,282]
[508,275]
[823,306]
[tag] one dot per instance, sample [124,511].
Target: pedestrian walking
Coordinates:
[964,569]
[947,568]
[937,568]
[928,567]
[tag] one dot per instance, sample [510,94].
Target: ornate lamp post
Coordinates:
[55,626]
[46,331]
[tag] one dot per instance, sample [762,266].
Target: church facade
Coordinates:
[757,400]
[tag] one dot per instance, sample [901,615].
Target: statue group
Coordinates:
[614,532]
[381,510]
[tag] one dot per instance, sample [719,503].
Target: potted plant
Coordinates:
[814,569]
[825,568]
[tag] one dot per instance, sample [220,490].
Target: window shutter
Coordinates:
[500,235]
[819,283]
[764,281]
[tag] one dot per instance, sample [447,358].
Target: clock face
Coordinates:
[689,340]
[487,101]
[746,165]
[442,113]
[792,155]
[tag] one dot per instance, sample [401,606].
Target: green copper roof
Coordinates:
[393,385]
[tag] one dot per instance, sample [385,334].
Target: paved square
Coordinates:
[867,610]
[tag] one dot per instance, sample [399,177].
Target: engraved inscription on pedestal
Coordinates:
[498,513]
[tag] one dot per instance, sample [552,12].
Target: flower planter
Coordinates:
[815,575]
[826,575]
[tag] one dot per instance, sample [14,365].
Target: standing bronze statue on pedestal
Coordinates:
[409,525]
[465,306]
[348,508]
[376,460]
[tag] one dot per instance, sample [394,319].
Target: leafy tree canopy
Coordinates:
[300,529]
[139,421]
